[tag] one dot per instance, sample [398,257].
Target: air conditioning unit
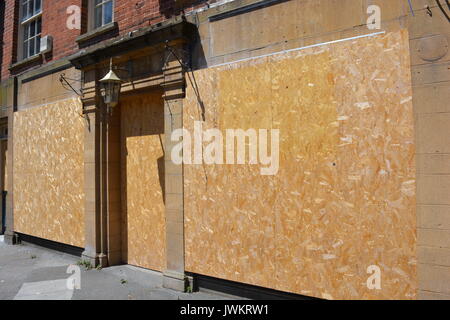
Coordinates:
[46,44]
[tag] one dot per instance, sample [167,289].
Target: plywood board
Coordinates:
[48,172]
[142,134]
[344,196]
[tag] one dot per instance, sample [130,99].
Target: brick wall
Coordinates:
[54,23]
[9,44]
[132,15]
[129,15]
[2,27]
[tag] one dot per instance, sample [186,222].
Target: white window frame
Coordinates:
[23,23]
[91,9]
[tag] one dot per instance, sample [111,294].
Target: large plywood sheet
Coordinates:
[142,133]
[48,172]
[344,196]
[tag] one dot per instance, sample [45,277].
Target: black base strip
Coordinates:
[242,289]
[49,244]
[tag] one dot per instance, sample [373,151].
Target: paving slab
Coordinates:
[29,272]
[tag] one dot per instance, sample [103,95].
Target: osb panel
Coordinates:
[48,172]
[142,133]
[344,196]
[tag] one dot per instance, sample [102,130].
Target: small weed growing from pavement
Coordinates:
[98,267]
[85,263]
[188,289]
[123,281]
[33,256]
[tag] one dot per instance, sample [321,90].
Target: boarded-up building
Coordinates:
[358,91]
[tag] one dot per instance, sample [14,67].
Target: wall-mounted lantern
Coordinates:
[110,88]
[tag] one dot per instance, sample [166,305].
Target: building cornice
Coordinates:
[176,28]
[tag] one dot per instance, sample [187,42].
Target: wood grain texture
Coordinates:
[142,134]
[344,196]
[48,172]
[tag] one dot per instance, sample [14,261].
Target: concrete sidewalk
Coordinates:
[29,272]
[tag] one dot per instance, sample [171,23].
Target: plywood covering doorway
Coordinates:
[142,169]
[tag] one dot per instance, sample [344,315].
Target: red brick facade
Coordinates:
[129,16]
[10,30]
[54,20]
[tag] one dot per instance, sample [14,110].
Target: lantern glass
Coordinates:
[110,88]
[110,92]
